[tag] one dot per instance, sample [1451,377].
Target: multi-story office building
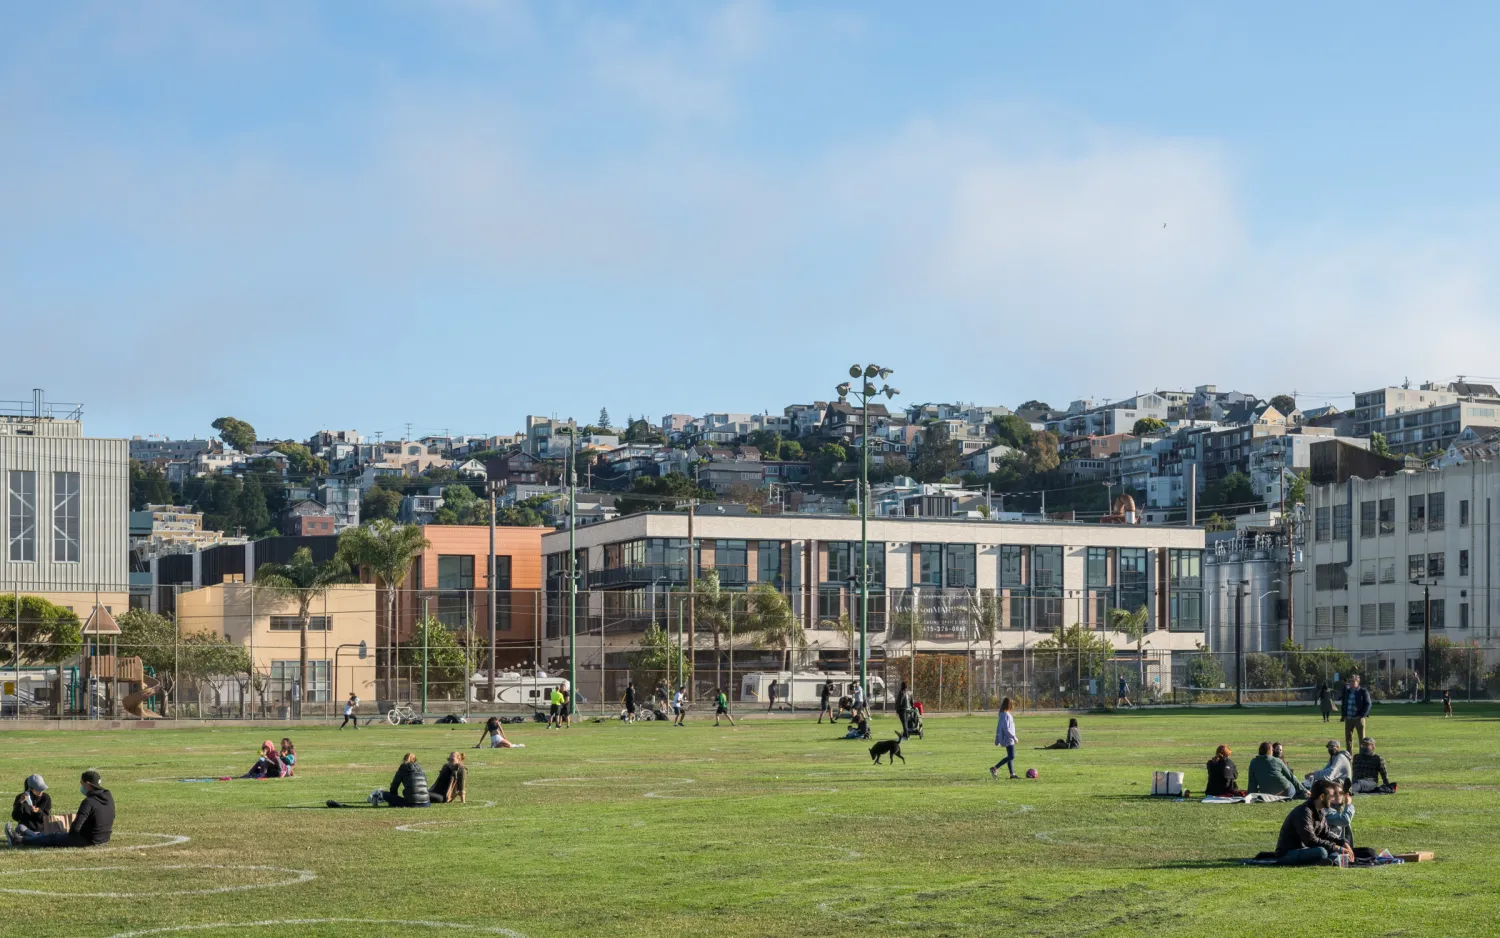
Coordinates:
[1427,418]
[66,523]
[1035,577]
[1376,543]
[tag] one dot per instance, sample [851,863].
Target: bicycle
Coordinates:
[401,713]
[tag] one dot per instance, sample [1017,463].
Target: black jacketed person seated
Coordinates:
[92,825]
[33,807]
[1222,775]
[408,786]
[452,781]
[1305,838]
[1074,738]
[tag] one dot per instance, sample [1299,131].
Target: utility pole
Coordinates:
[692,579]
[572,573]
[493,604]
[1426,643]
[1239,644]
[425,624]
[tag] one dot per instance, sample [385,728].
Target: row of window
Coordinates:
[1377,518]
[1434,566]
[286,679]
[1379,618]
[23,513]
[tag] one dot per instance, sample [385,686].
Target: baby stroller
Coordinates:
[913,725]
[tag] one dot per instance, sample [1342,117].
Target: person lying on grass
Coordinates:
[1270,776]
[91,826]
[1305,839]
[269,765]
[408,786]
[33,807]
[452,781]
[1074,739]
[1222,774]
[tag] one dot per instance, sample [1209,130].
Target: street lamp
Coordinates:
[866,376]
[1426,636]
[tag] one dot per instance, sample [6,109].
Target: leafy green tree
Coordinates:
[1147,425]
[1234,489]
[711,613]
[386,551]
[1217,522]
[767,441]
[1042,454]
[658,656]
[1284,404]
[39,632]
[251,509]
[148,486]
[640,431]
[177,660]
[464,507]
[301,460]
[663,491]
[770,619]
[791,450]
[1296,492]
[304,582]
[1035,405]
[449,661]
[604,418]
[1012,431]
[236,433]
[938,454]
[828,459]
[1133,626]
[1378,445]
[380,504]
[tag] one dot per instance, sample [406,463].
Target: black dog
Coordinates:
[890,747]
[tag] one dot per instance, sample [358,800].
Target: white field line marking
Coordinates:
[299,876]
[414,923]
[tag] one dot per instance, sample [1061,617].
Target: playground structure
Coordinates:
[104,671]
[134,703]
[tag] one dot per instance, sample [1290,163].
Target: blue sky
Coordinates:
[456,213]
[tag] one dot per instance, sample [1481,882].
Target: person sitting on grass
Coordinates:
[268,765]
[408,786]
[452,781]
[288,754]
[1280,753]
[91,826]
[1270,776]
[859,727]
[1340,816]
[33,807]
[1305,839]
[498,739]
[1338,769]
[1368,772]
[1222,774]
[1074,739]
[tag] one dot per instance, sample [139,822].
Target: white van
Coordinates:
[806,687]
[515,688]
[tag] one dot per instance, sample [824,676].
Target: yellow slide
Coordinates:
[132,703]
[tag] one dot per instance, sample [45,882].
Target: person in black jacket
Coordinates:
[33,807]
[1222,775]
[408,786]
[92,825]
[1305,839]
[1355,711]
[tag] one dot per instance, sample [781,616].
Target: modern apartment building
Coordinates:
[1427,418]
[65,528]
[1085,419]
[1375,544]
[1037,577]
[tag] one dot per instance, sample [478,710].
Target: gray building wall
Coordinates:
[48,447]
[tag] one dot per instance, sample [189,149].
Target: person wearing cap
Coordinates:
[1338,770]
[92,825]
[33,807]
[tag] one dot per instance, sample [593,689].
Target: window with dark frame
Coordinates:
[1387,516]
[1367,524]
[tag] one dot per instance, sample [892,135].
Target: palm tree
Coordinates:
[772,620]
[302,581]
[986,614]
[1133,626]
[385,549]
[711,608]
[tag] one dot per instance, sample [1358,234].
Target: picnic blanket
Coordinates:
[1252,798]
[1383,858]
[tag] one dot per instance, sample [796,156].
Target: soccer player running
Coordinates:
[721,707]
[679,707]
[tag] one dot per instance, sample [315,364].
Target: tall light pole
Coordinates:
[572,572]
[865,374]
[1426,638]
[489,483]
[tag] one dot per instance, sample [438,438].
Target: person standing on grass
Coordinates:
[567,708]
[679,707]
[630,702]
[824,693]
[92,824]
[771,696]
[1123,699]
[554,711]
[904,706]
[1447,704]
[1355,710]
[721,707]
[859,698]
[1005,735]
[1325,701]
[349,716]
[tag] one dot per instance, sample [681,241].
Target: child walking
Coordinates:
[1005,735]
[1447,704]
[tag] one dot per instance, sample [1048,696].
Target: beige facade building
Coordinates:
[341,638]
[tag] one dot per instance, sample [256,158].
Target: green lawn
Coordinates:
[776,828]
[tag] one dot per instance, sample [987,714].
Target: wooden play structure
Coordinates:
[107,675]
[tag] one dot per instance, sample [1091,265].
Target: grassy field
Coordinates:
[775,828]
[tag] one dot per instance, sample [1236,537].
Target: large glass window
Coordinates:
[1416,615]
[1186,568]
[1097,574]
[929,564]
[1438,621]
[731,558]
[289,623]
[1133,577]
[21,501]
[455,571]
[1322,524]
[768,562]
[1187,611]
[959,560]
[1341,522]
[1416,512]
[1436,565]
[1463,512]
[1367,526]
[502,592]
[1047,567]
[286,675]
[670,554]
[840,566]
[1437,511]
[66,508]
[1387,516]
[1012,565]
